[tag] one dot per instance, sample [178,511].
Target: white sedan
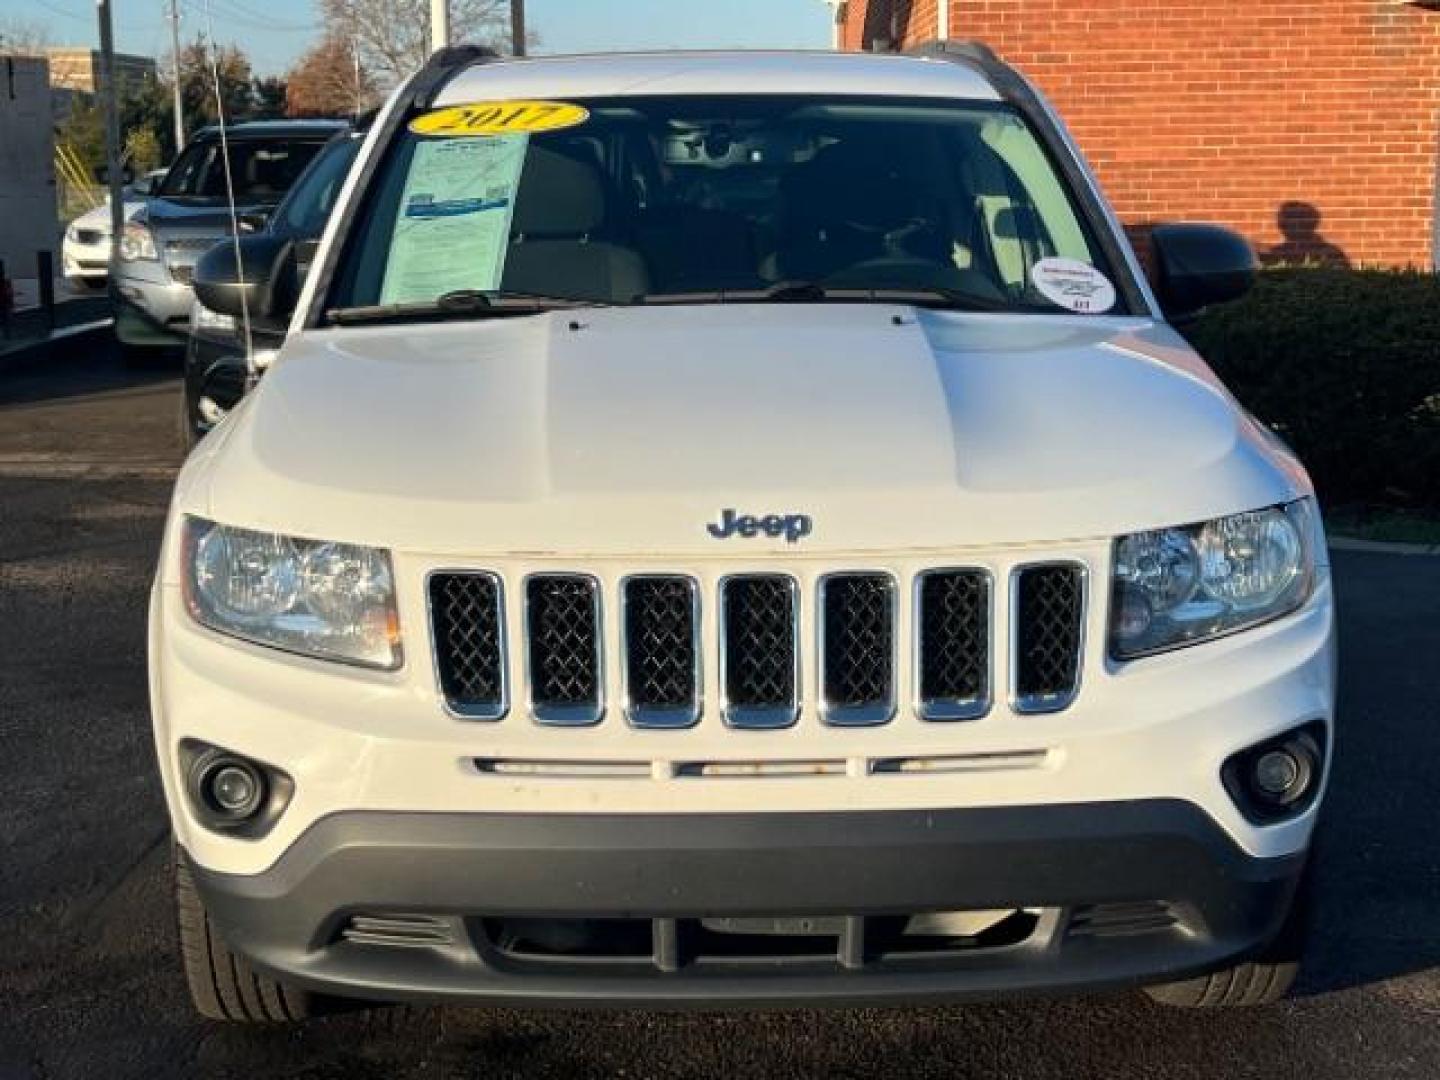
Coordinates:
[85,253]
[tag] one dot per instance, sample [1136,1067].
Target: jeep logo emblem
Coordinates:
[793,527]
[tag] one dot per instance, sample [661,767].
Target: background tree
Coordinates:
[82,133]
[393,36]
[21,37]
[327,81]
[269,93]
[197,90]
[142,150]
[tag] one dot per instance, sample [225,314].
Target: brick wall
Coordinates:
[1313,126]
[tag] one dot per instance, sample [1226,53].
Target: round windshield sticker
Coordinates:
[1073,285]
[500,118]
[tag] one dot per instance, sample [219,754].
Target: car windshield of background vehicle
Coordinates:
[263,170]
[709,199]
[307,207]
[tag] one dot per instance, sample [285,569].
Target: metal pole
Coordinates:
[175,75]
[517,27]
[45,272]
[112,124]
[439,24]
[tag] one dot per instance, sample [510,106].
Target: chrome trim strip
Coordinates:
[882,712]
[1036,704]
[661,717]
[759,718]
[565,715]
[946,710]
[489,713]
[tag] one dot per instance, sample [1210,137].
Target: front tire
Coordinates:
[223,985]
[1264,980]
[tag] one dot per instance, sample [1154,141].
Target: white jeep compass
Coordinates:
[736,529]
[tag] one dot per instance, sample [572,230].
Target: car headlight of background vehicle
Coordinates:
[137,242]
[202,318]
[328,600]
[1177,586]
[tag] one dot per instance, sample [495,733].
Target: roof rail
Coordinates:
[956,51]
[440,66]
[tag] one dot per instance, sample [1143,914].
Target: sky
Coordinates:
[275,32]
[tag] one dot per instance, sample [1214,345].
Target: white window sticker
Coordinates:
[453,228]
[1073,285]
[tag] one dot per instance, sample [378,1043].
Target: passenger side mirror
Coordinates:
[264,281]
[1200,265]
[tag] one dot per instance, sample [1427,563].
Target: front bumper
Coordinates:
[1124,893]
[150,307]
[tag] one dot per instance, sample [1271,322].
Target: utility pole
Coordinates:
[439,24]
[175,75]
[112,122]
[517,27]
[355,56]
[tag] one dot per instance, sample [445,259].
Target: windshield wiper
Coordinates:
[458,304]
[814,292]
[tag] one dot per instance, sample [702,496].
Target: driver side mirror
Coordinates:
[264,281]
[1200,265]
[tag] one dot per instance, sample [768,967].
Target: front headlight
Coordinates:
[202,318]
[328,600]
[136,242]
[1174,587]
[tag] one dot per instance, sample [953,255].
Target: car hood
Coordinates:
[194,215]
[99,218]
[628,430]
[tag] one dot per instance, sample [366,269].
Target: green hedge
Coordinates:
[1345,364]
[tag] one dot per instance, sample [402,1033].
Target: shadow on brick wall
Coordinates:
[1299,222]
[1304,244]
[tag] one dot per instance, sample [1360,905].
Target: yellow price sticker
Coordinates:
[500,118]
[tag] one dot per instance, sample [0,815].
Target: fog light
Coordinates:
[1280,777]
[233,794]
[209,411]
[233,788]
[1277,774]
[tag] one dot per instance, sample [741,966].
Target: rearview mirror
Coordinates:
[262,283]
[1200,265]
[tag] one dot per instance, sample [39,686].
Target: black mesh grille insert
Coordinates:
[563,626]
[469,641]
[859,640]
[759,642]
[954,639]
[660,642]
[1049,606]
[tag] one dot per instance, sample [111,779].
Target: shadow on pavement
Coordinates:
[1378,910]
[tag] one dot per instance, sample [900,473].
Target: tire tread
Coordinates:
[223,986]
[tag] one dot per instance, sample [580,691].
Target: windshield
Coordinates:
[262,169]
[307,207]
[702,199]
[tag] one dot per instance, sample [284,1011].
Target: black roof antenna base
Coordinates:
[956,50]
[441,64]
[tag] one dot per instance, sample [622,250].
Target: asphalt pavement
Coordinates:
[90,983]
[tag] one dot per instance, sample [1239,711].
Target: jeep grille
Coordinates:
[949,646]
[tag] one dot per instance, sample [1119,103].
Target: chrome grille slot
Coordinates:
[467,620]
[660,621]
[952,618]
[562,629]
[405,931]
[1048,621]
[857,648]
[760,650]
